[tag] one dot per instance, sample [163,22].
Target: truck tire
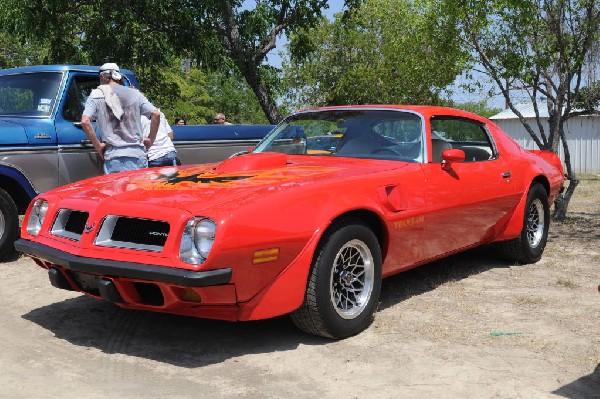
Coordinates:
[9,224]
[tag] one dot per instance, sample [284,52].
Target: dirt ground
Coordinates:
[469,326]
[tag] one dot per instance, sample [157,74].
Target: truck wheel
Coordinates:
[344,283]
[529,246]
[9,224]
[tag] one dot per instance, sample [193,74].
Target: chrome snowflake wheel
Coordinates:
[535,223]
[351,279]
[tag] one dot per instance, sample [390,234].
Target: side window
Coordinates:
[464,134]
[77,94]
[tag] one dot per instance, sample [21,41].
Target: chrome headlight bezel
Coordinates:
[197,240]
[38,213]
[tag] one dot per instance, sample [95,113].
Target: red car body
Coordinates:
[276,210]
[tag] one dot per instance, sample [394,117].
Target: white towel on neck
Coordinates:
[110,98]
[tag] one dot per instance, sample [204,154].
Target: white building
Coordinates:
[582,132]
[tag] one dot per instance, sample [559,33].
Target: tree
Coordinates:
[534,46]
[381,52]
[145,33]
[589,98]
[248,35]
[478,107]
[13,50]
[230,93]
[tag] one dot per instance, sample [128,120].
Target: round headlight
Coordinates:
[197,240]
[37,216]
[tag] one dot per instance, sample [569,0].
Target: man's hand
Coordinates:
[86,124]
[100,149]
[147,143]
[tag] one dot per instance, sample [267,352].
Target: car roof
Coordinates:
[425,110]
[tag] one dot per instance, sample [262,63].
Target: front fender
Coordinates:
[19,177]
[286,292]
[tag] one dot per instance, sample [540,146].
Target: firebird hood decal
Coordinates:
[176,179]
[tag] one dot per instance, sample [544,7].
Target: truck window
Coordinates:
[77,94]
[29,94]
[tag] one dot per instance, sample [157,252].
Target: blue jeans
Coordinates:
[120,164]
[169,159]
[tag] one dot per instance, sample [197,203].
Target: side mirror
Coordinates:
[450,156]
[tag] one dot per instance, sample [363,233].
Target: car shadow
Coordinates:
[178,340]
[427,277]
[586,387]
[193,342]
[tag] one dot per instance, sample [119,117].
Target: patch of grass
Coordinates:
[561,282]
[523,300]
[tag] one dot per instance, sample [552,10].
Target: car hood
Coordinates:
[228,184]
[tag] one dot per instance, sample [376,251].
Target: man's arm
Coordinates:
[154,122]
[86,124]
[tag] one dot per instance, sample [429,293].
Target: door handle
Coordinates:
[506,175]
[85,143]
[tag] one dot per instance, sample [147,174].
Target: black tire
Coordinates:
[344,283]
[9,224]
[529,246]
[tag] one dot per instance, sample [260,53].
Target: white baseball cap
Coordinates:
[109,66]
[112,69]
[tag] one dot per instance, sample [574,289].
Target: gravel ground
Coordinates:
[470,326]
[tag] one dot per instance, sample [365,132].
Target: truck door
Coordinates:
[77,158]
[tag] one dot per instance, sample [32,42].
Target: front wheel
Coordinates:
[9,224]
[344,284]
[529,246]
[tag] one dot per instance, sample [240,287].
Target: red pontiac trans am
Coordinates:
[282,230]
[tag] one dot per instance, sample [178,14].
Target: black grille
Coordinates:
[76,222]
[140,231]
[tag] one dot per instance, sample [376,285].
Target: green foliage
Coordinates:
[478,107]
[144,35]
[589,98]
[14,53]
[231,95]
[14,49]
[382,52]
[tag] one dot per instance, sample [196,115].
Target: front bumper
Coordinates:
[132,270]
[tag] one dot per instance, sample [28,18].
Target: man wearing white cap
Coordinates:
[117,110]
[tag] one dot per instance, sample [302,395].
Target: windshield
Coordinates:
[29,94]
[376,134]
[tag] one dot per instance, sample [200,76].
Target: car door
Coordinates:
[467,202]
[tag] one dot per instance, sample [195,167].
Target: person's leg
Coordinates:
[166,160]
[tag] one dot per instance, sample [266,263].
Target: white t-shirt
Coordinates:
[162,144]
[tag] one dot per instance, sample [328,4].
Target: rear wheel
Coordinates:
[344,284]
[9,224]
[529,246]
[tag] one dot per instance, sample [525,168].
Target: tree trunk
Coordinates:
[561,205]
[264,98]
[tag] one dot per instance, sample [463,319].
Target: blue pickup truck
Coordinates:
[42,144]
